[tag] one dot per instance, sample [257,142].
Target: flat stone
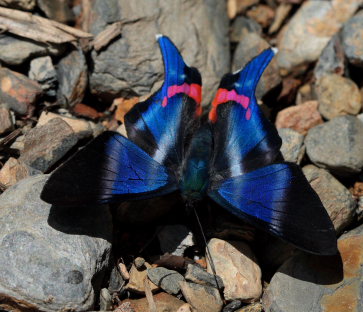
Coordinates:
[45,145]
[337,96]
[202,298]
[292,148]
[27,5]
[197,274]
[312,283]
[43,71]
[6,121]
[18,92]
[300,118]
[243,25]
[336,198]
[235,263]
[305,36]
[168,280]
[203,42]
[137,279]
[337,145]
[352,35]
[59,10]
[55,256]
[250,46]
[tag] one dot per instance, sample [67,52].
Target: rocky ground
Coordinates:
[71,70]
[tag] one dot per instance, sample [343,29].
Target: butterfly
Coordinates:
[232,158]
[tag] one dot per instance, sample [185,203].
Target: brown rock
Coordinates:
[235,7]
[137,277]
[86,111]
[202,298]
[262,14]
[299,118]
[18,92]
[337,96]
[237,266]
[254,307]
[6,122]
[13,171]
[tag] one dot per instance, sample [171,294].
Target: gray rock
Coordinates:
[337,145]
[315,284]
[167,280]
[27,5]
[250,46]
[15,50]
[198,275]
[132,64]
[232,306]
[45,145]
[139,263]
[243,25]
[116,281]
[174,239]
[353,40]
[57,10]
[292,148]
[43,71]
[52,258]
[72,78]
[105,300]
[337,200]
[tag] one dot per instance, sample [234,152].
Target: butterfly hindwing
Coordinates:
[110,168]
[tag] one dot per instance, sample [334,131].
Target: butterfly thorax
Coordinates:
[195,171]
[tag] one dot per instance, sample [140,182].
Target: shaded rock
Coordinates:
[254,307]
[198,275]
[45,145]
[26,5]
[300,118]
[6,121]
[305,93]
[15,170]
[105,300]
[139,263]
[336,199]
[174,239]
[57,10]
[55,256]
[116,281]
[262,14]
[168,280]
[237,266]
[337,145]
[164,303]
[352,35]
[15,50]
[233,306]
[18,92]
[337,96]
[43,71]
[318,284]
[243,25]
[235,7]
[137,278]
[292,148]
[310,29]
[331,60]
[250,46]
[72,78]
[202,298]
[203,41]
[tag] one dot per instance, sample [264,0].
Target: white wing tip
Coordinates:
[158,36]
[275,50]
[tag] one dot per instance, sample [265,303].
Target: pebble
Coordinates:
[136,281]
[337,96]
[72,74]
[337,145]
[139,263]
[235,263]
[243,25]
[305,36]
[18,92]
[175,239]
[197,274]
[262,14]
[353,39]
[43,71]
[201,297]
[59,10]
[292,148]
[55,258]
[336,198]
[27,5]
[45,145]
[312,283]
[168,280]
[236,7]
[250,46]
[300,118]
[6,121]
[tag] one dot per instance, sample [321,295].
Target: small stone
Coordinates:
[168,280]
[123,271]
[337,96]
[27,5]
[45,145]
[250,46]
[232,306]
[337,145]
[198,275]
[352,34]
[336,199]
[18,92]
[243,25]
[43,71]
[185,308]
[235,263]
[236,7]
[57,10]
[300,118]
[292,148]
[6,122]
[137,278]
[86,111]
[139,263]
[262,14]
[116,281]
[175,239]
[202,298]
[72,77]
[105,300]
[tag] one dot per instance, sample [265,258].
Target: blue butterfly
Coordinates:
[232,157]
